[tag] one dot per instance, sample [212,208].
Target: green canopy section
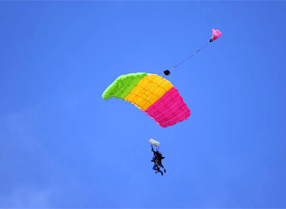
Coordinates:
[123,85]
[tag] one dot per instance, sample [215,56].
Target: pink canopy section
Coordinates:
[216,34]
[169,109]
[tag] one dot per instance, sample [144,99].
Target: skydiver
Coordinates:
[157,159]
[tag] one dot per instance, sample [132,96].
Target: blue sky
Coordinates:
[62,145]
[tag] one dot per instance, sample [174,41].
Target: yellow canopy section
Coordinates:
[148,91]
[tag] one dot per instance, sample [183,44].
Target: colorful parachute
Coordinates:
[154,95]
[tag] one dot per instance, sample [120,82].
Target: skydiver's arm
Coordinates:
[152,149]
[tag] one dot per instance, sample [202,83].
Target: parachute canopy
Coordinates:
[152,94]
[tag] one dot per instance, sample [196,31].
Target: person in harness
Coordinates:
[157,159]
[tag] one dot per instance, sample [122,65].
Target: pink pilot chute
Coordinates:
[216,34]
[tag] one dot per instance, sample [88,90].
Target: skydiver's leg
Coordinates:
[160,172]
[158,167]
[162,167]
[155,167]
[157,164]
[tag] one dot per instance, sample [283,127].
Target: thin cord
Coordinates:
[188,57]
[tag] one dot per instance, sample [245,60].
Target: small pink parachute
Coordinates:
[216,34]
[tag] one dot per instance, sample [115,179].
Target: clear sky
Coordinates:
[62,145]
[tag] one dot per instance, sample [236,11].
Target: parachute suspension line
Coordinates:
[167,72]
